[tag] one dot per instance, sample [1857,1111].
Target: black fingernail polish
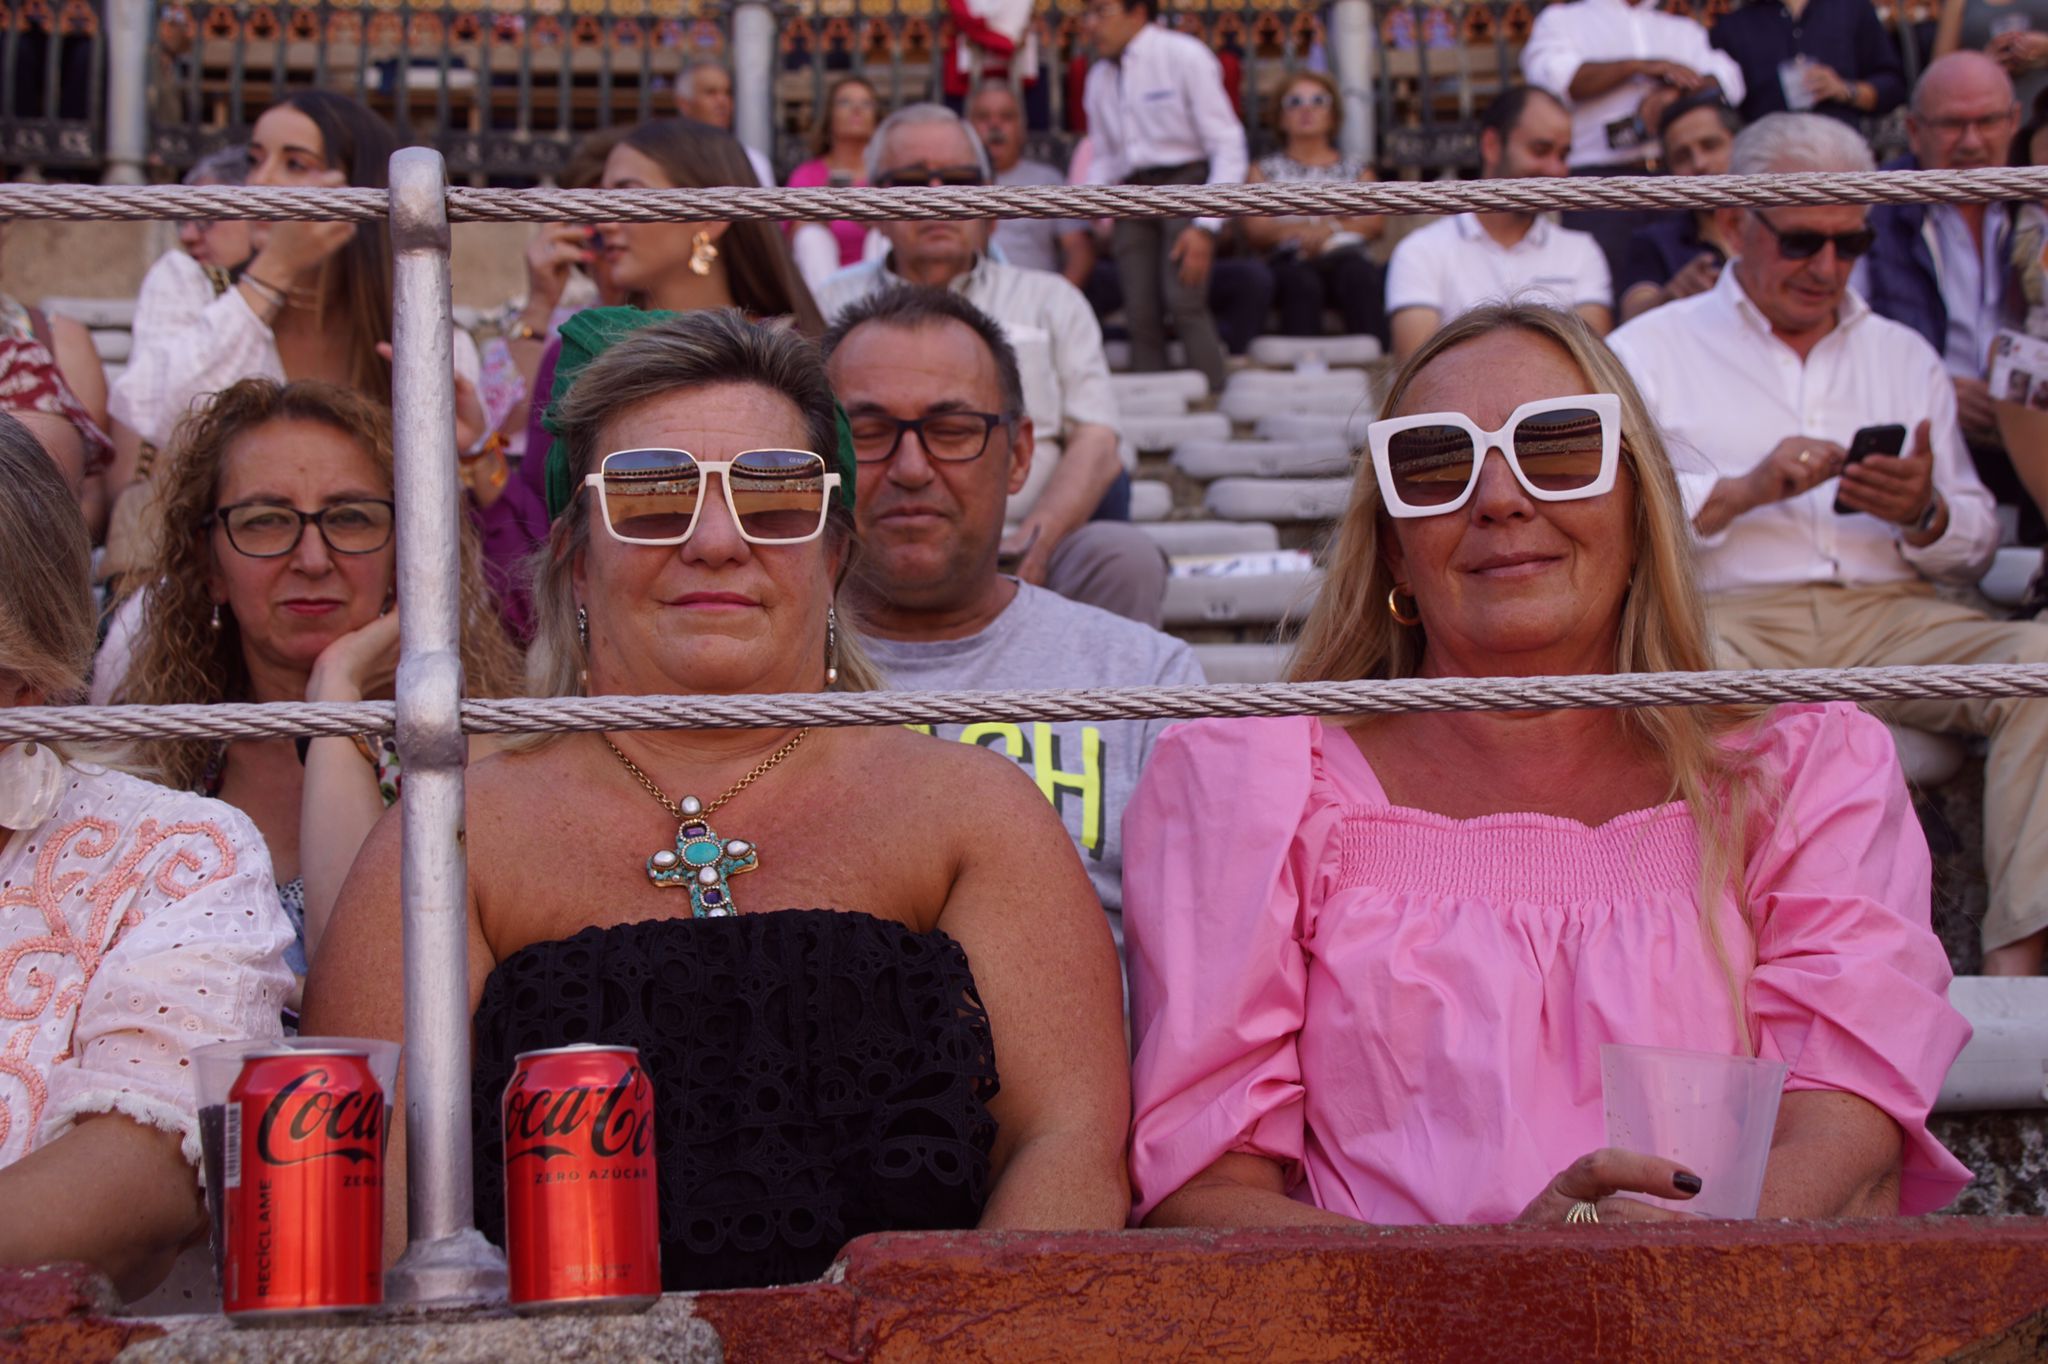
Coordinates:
[1686,1183]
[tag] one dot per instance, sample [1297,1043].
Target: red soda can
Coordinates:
[302,1207]
[582,1221]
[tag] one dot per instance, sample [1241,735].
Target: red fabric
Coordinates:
[31,382]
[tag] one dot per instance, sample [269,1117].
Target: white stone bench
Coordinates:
[1205,460]
[1151,500]
[1261,600]
[1163,433]
[2006,582]
[1150,403]
[1187,539]
[1118,354]
[1347,427]
[100,314]
[1185,383]
[1242,662]
[1284,352]
[1277,499]
[1929,759]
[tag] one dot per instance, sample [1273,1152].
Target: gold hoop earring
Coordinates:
[702,253]
[1394,606]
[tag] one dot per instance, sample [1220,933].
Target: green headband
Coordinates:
[590,334]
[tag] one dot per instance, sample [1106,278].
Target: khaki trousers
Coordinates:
[1905,623]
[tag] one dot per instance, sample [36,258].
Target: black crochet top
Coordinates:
[817,1075]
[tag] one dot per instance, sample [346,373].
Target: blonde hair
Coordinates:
[1350,632]
[47,626]
[180,657]
[694,350]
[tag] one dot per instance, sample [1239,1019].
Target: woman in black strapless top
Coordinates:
[864,968]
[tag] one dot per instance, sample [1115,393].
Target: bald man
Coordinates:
[1943,269]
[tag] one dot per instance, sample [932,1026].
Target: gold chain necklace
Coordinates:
[701,859]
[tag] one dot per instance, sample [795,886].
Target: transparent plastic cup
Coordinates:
[1792,81]
[214,1070]
[1711,1113]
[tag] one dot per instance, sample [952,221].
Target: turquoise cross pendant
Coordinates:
[703,862]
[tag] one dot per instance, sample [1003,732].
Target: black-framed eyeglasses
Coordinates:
[948,437]
[920,175]
[270,530]
[1806,245]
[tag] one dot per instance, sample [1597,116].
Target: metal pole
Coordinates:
[1351,53]
[129,24]
[753,75]
[448,1261]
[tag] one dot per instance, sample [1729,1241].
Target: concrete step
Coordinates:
[1185,383]
[101,314]
[1242,662]
[1151,500]
[1166,432]
[1151,403]
[2005,584]
[1284,352]
[1118,353]
[1186,539]
[1347,427]
[1204,460]
[1277,499]
[1261,600]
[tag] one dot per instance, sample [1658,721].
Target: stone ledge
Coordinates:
[62,1312]
[1903,1289]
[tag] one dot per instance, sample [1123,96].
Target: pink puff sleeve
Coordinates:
[1213,909]
[1850,986]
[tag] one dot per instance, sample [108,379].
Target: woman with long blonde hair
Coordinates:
[276,580]
[1382,996]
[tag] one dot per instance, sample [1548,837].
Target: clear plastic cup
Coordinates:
[1711,1113]
[214,1070]
[1792,81]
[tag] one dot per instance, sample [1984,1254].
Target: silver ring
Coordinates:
[1582,1211]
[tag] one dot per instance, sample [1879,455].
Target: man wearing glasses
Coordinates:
[1158,115]
[1070,528]
[1809,559]
[941,438]
[1942,269]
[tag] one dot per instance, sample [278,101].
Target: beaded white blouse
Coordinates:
[136,924]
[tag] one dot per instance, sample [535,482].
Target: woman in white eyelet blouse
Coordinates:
[136,923]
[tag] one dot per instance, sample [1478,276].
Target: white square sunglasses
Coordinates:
[1559,450]
[655,496]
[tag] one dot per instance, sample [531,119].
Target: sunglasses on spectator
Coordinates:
[654,497]
[1314,101]
[921,175]
[948,437]
[1807,245]
[271,530]
[1559,450]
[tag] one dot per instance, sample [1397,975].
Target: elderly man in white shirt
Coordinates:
[1158,115]
[1619,63]
[1051,537]
[1760,383]
[1455,264]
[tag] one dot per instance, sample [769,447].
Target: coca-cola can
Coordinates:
[302,1188]
[582,1220]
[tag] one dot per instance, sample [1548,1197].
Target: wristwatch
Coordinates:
[1928,517]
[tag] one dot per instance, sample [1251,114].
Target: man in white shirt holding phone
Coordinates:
[1760,385]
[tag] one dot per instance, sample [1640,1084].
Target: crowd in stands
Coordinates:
[1055,975]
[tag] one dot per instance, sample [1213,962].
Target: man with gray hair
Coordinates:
[1069,526]
[704,92]
[1762,386]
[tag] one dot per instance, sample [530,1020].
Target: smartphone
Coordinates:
[1871,440]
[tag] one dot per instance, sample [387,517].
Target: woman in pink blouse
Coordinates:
[136,923]
[839,147]
[1372,964]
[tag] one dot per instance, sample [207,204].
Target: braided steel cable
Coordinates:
[142,202]
[529,715]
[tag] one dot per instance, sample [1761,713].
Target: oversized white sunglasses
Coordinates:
[1559,449]
[654,497]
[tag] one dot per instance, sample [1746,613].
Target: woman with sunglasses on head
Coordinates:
[1382,998]
[809,933]
[275,580]
[1318,263]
